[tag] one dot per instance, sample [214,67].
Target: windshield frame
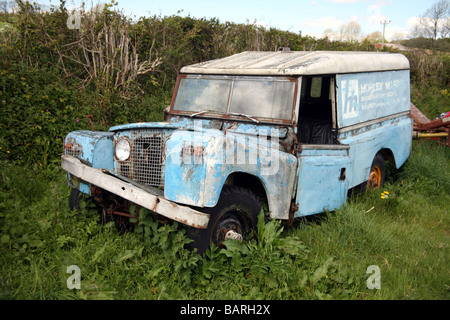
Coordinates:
[230,116]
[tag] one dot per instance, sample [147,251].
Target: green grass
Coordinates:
[321,257]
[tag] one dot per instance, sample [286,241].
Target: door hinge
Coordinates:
[297,148]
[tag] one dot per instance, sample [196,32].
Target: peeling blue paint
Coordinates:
[96,147]
[199,183]
[96,151]
[363,97]
[322,183]
[392,134]
[188,123]
[368,112]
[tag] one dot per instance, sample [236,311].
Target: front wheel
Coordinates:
[234,217]
[75,198]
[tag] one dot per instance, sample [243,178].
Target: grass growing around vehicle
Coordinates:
[44,94]
[322,257]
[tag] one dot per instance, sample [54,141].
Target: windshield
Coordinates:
[263,97]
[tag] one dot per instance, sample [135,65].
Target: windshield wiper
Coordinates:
[203,111]
[229,113]
[244,115]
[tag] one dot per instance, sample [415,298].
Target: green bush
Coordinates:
[37,111]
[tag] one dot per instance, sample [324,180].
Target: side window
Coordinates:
[316,87]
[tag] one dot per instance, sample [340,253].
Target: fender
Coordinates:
[196,177]
[92,148]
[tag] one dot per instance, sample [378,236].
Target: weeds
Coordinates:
[325,257]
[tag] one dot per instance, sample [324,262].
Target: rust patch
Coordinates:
[123,214]
[154,208]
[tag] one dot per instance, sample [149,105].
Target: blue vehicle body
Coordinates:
[340,111]
[93,149]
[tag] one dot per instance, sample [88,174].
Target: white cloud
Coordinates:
[412,22]
[346,1]
[374,21]
[374,15]
[411,27]
[323,23]
[355,18]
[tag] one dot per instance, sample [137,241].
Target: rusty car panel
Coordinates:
[135,194]
[290,131]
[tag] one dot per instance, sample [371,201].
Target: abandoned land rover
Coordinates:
[291,130]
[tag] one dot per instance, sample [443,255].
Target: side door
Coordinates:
[322,178]
[323,162]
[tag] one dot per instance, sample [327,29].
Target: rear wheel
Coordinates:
[377,173]
[234,217]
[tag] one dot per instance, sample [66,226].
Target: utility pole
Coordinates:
[384,23]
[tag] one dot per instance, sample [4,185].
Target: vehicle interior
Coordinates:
[315,122]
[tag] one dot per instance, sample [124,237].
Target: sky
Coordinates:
[310,17]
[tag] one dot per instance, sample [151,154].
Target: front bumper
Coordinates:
[146,198]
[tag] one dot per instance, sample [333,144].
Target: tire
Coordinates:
[377,174]
[74,199]
[237,210]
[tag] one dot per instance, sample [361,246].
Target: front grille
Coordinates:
[146,163]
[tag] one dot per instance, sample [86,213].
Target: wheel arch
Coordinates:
[388,155]
[249,182]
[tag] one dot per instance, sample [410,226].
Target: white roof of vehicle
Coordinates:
[290,63]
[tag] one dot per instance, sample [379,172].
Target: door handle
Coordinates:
[342,176]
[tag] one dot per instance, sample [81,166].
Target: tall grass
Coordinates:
[322,257]
[44,95]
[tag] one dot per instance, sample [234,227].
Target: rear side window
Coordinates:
[316,87]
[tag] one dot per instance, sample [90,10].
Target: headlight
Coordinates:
[71,147]
[122,151]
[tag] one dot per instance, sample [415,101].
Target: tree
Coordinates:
[436,20]
[374,37]
[328,33]
[416,32]
[351,31]
[445,30]
[397,36]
